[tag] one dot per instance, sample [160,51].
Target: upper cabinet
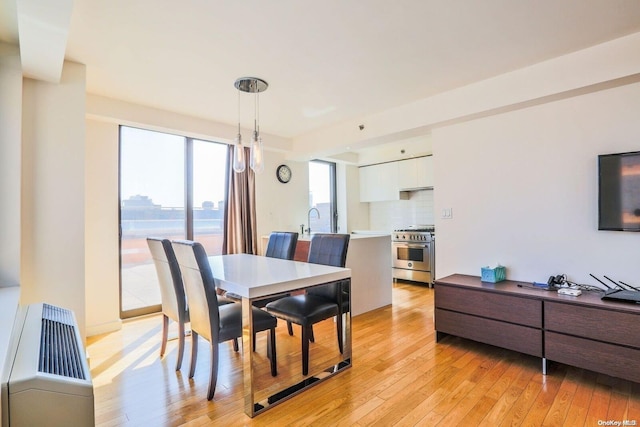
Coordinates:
[386,181]
[379,182]
[425,171]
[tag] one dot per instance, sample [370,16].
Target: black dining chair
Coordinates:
[215,323]
[281,244]
[174,303]
[320,302]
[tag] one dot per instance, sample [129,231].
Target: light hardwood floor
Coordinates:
[400,376]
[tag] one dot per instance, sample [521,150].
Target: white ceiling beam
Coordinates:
[43,28]
[606,65]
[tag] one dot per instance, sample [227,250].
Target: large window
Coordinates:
[170,187]
[322,196]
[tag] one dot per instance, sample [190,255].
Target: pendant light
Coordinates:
[256,157]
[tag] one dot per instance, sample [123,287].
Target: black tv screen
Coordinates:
[619,191]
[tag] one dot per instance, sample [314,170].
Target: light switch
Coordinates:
[447,213]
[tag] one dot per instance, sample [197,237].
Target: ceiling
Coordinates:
[325,61]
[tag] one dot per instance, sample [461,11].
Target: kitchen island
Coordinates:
[369,258]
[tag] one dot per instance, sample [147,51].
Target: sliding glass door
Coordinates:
[170,187]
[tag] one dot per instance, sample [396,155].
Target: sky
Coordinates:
[319,190]
[152,164]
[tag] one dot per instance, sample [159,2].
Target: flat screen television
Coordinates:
[619,191]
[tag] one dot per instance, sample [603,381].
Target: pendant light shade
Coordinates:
[256,157]
[239,164]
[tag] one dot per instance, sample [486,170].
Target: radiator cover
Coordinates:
[49,382]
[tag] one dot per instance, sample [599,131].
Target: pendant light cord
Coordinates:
[239,113]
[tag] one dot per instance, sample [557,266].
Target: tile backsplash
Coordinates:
[394,214]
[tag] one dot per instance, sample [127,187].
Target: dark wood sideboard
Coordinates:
[582,331]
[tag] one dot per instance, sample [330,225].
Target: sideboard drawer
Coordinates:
[610,359]
[493,305]
[506,335]
[598,324]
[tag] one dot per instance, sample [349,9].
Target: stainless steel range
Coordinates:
[414,254]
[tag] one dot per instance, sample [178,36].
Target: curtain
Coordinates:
[240,235]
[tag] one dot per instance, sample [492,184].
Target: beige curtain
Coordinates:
[240,211]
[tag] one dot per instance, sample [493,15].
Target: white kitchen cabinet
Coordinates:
[407,174]
[415,173]
[379,182]
[390,181]
[425,171]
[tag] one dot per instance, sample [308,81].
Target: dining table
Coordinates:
[254,277]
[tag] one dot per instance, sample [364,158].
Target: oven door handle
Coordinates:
[420,246]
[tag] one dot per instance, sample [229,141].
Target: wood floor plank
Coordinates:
[557,411]
[633,408]
[400,376]
[540,408]
[599,405]
[520,389]
[460,412]
[577,413]
[618,407]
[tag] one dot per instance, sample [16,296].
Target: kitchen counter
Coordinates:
[307,237]
[369,258]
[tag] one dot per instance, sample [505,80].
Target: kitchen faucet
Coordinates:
[309,218]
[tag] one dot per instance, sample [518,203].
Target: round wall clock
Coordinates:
[283,173]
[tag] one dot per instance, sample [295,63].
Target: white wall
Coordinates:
[10,163]
[125,113]
[53,192]
[523,189]
[281,207]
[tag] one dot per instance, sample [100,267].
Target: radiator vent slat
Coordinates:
[59,352]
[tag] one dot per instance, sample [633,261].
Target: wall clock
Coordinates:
[283,173]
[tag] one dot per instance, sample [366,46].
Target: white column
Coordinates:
[10,161]
[53,192]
